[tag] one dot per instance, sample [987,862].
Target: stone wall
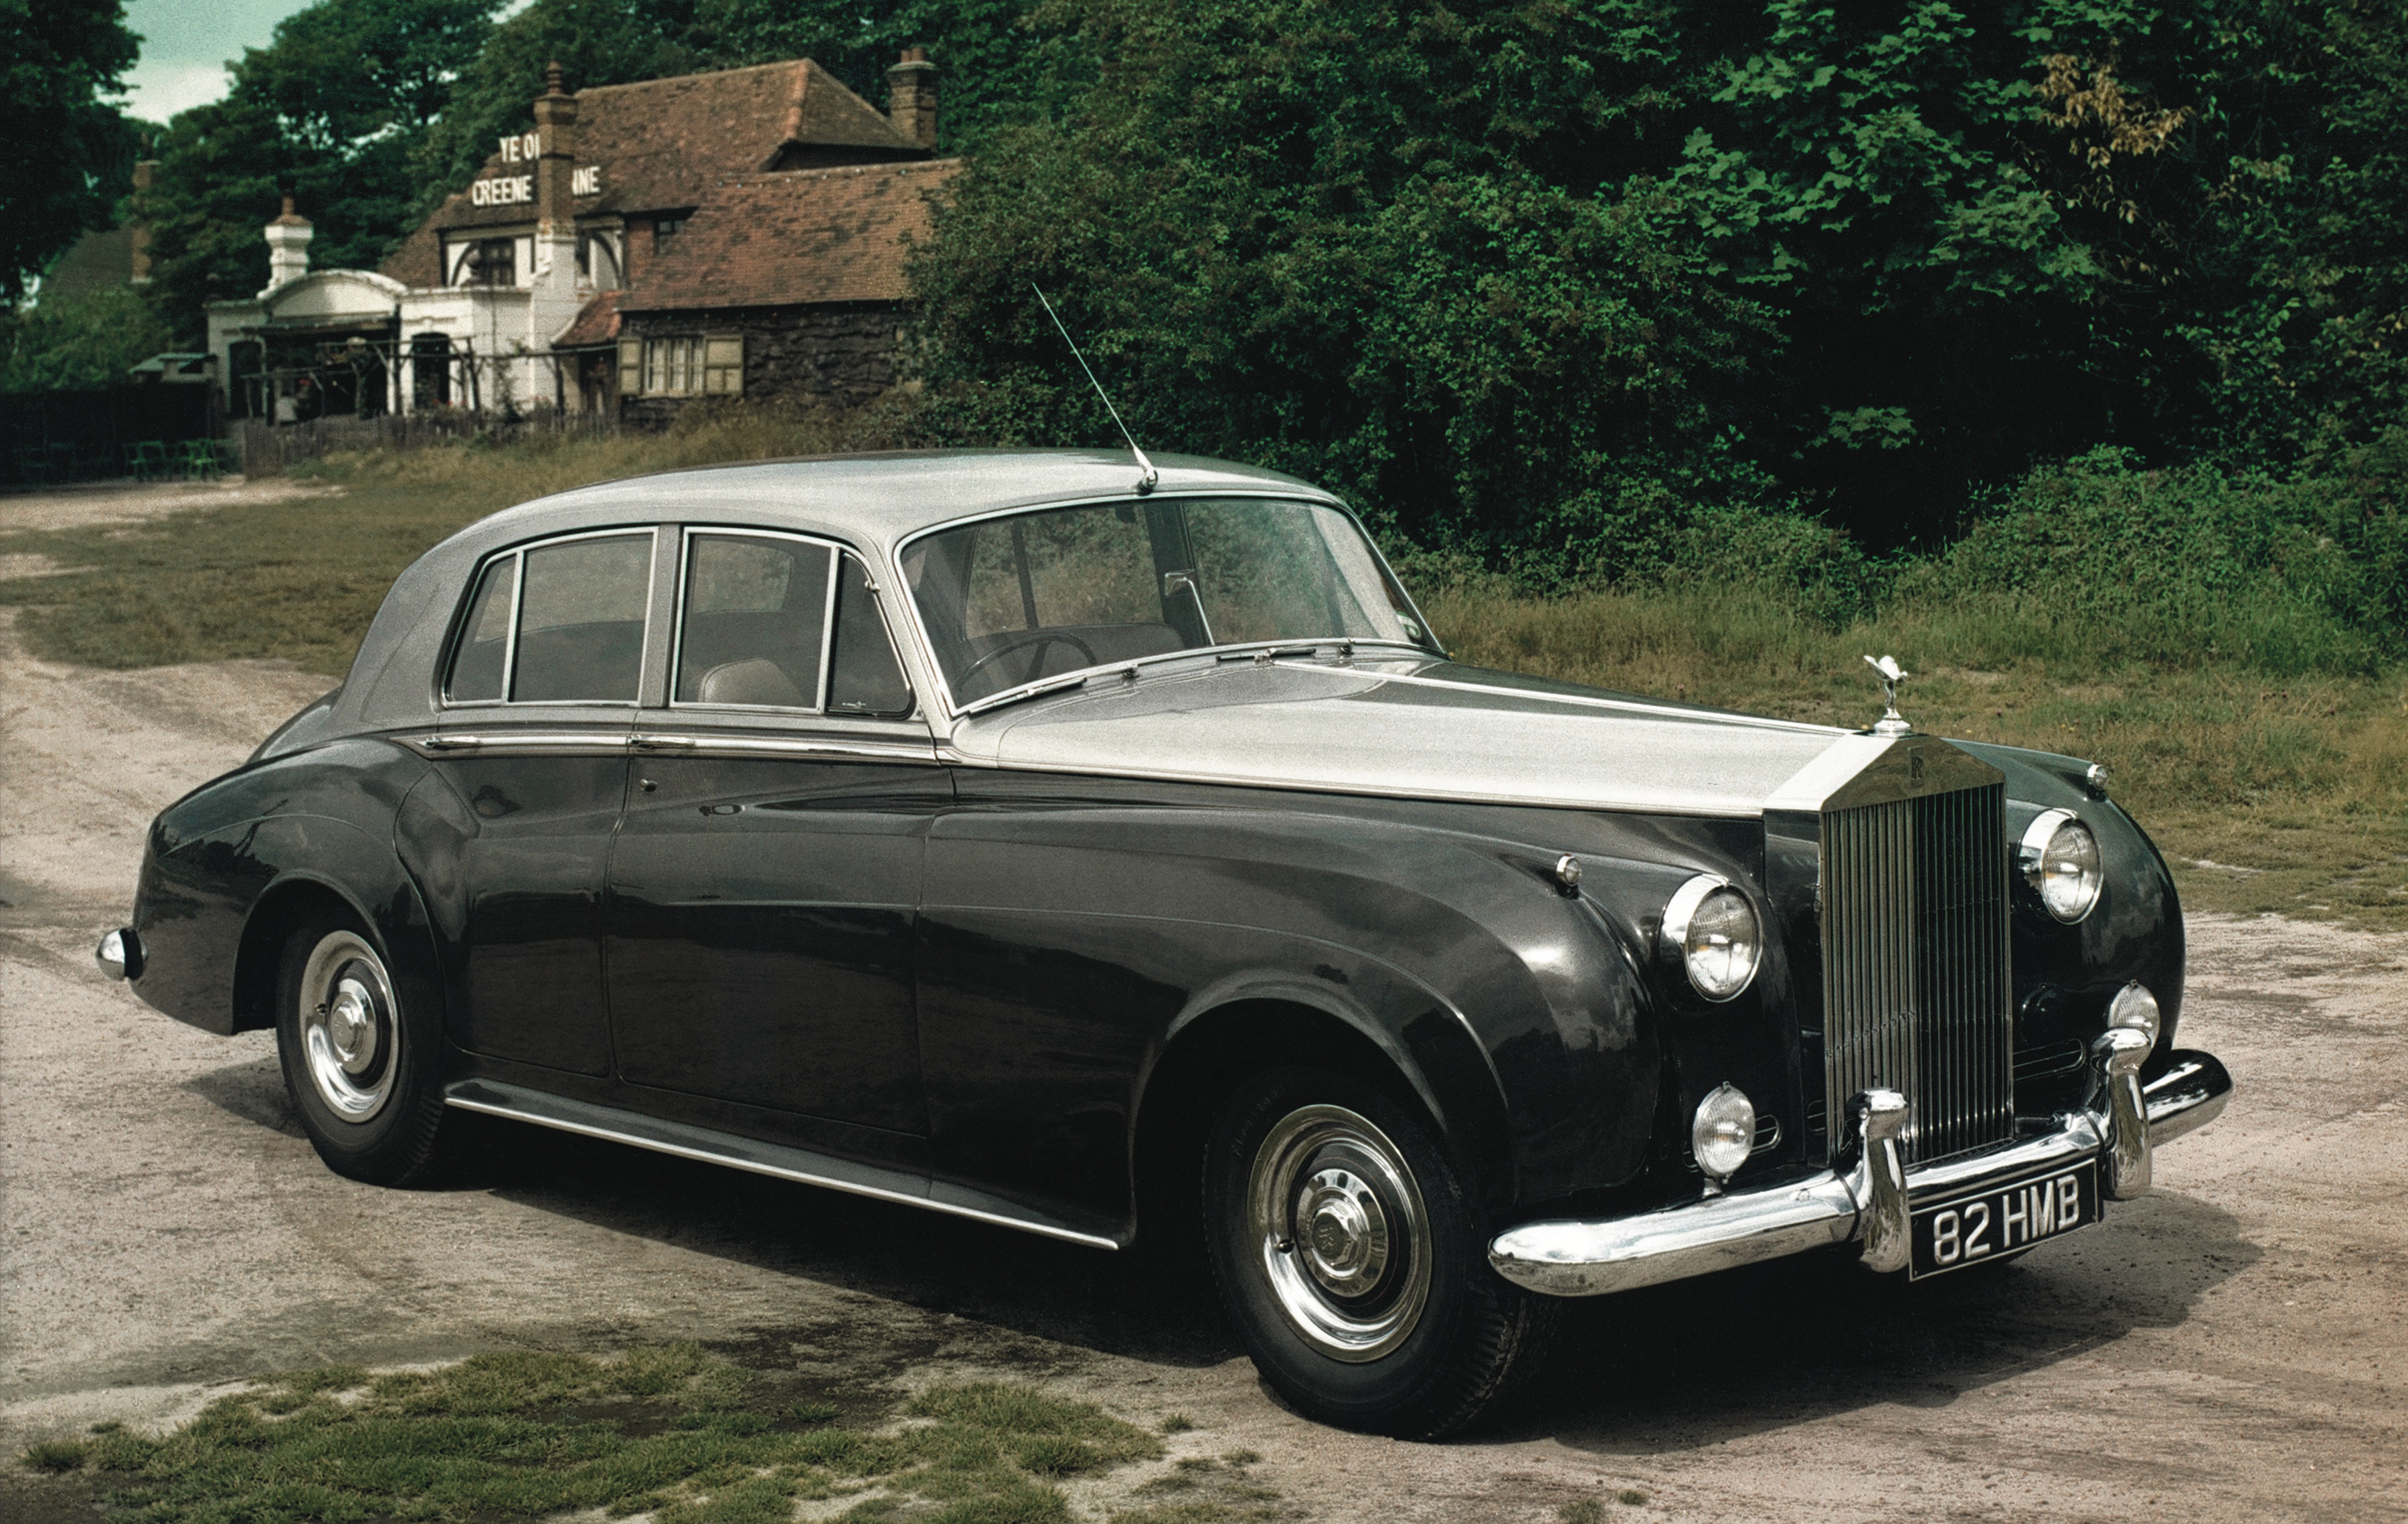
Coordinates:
[839,352]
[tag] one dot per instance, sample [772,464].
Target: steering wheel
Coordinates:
[1039,639]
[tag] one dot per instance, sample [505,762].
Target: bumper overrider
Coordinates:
[1871,1200]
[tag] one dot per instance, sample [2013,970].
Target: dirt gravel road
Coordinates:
[2233,1348]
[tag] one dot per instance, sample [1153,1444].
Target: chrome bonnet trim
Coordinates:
[778,1161]
[1565,1258]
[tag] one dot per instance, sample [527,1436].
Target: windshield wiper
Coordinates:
[1030,690]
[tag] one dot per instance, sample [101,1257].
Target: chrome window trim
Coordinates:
[951,711]
[517,555]
[677,619]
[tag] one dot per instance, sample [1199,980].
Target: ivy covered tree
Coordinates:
[330,112]
[596,42]
[70,151]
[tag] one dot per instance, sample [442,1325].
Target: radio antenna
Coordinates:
[1144,483]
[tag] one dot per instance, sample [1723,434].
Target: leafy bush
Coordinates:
[2187,566]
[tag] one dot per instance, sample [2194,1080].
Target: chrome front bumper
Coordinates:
[1869,1202]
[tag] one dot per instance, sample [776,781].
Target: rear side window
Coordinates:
[557,624]
[478,664]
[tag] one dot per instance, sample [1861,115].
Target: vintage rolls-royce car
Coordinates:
[1118,857]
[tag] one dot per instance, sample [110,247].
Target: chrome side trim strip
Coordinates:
[777,1160]
[864,751]
[571,741]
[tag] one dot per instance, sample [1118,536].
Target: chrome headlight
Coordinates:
[1713,931]
[2060,858]
[2136,1007]
[1722,1134]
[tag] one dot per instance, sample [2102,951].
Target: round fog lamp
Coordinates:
[2135,1007]
[1724,1132]
[1714,929]
[2060,862]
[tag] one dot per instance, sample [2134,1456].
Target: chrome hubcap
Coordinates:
[1343,1235]
[348,1037]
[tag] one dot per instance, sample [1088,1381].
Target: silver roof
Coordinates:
[877,501]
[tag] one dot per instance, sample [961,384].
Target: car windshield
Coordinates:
[1009,601]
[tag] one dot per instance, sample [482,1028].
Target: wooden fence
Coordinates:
[270,449]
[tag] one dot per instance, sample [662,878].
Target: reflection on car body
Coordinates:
[979,832]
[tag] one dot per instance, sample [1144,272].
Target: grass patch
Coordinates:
[2294,791]
[670,1431]
[299,579]
[2276,780]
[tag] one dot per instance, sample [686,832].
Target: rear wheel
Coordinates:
[361,1072]
[1348,1256]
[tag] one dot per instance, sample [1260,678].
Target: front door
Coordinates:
[765,883]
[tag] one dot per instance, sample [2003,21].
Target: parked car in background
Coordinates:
[1114,856]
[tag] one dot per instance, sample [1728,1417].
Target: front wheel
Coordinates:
[361,1072]
[1351,1262]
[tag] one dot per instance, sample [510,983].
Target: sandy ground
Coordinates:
[2234,1347]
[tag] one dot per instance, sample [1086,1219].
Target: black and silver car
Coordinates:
[1119,857]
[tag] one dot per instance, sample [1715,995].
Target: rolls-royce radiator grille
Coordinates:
[1915,984]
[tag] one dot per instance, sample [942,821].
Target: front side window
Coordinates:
[754,621]
[1012,600]
[863,677]
[769,621]
[557,624]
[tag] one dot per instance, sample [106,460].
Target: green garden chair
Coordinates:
[151,460]
[200,460]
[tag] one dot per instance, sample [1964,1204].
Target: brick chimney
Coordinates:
[553,300]
[288,247]
[911,97]
[555,126]
[139,229]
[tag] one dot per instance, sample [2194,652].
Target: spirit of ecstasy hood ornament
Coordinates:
[1891,722]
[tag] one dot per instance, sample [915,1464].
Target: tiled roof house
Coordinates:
[735,233]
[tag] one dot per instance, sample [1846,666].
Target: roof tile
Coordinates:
[797,236]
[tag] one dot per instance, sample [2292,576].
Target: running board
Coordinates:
[776,1160]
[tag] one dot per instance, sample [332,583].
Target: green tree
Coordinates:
[2304,317]
[1332,238]
[70,152]
[330,112]
[596,42]
[997,63]
[79,342]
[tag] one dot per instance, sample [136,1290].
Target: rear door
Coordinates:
[541,697]
[767,879]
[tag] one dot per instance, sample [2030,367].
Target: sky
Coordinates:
[186,44]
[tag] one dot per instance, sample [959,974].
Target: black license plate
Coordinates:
[1980,1225]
